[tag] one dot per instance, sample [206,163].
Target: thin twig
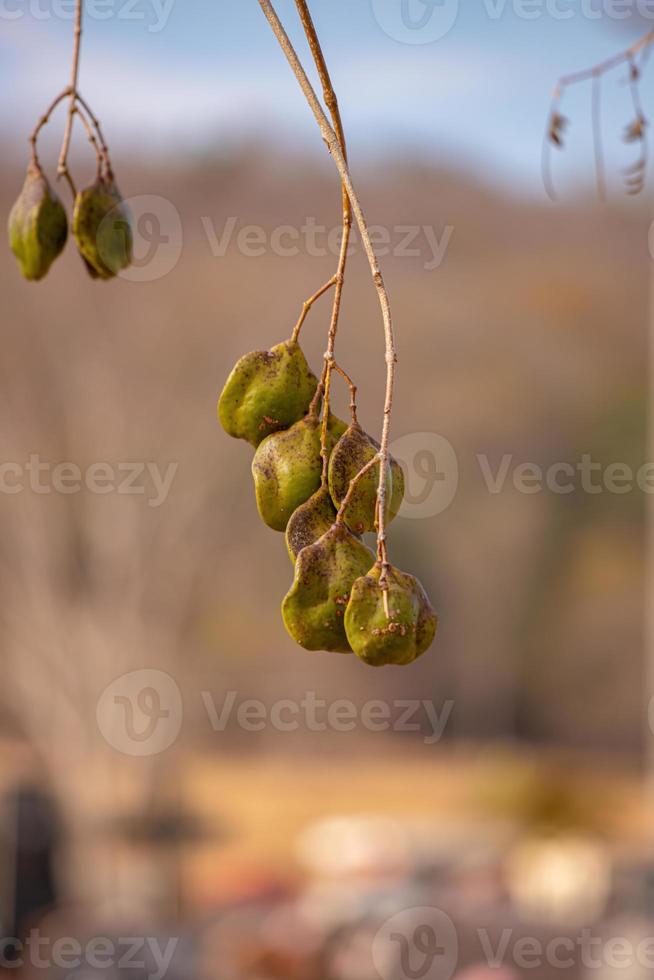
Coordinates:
[597,137]
[43,121]
[62,165]
[340,516]
[643,47]
[306,306]
[635,174]
[627,54]
[98,129]
[351,385]
[333,146]
[331,102]
[88,128]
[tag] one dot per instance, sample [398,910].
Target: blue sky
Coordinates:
[163,74]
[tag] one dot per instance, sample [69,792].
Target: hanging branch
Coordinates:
[78,106]
[597,137]
[333,146]
[332,105]
[62,165]
[306,306]
[635,131]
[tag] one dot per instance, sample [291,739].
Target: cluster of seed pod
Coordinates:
[38,224]
[316,479]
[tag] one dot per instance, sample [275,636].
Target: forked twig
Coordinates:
[332,105]
[62,165]
[306,306]
[331,139]
[340,516]
[635,131]
[597,137]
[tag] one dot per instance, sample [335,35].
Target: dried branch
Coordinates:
[331,102]
[62,165]
[340,516]
[43,121]
[306,306]
[331,139]
[597,138]
[634,132]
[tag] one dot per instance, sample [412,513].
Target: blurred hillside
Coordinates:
[529,339]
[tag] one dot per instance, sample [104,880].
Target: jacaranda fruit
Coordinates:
[399,637]
[287,469]
[102,229]
[353,450]
[309,522]
[266,391]
[38,226]
[314,608]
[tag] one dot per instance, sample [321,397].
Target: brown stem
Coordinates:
[353,390]
[642,45]
[98,129]
[62,165]
[597,137]
[340,516]
[43,121]
[306,306]
[332,104]
[627,55]
[333,146]
[88,129]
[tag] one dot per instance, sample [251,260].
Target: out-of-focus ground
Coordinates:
[527,344]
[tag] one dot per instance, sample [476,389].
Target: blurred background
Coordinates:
[175,772]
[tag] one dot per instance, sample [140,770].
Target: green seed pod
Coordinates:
[266,391]
[38,226]
[102,229]
[287,469]
[399,637]
[309,522]
[324,573]
[353,451]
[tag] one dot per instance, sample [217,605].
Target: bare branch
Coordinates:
[62,166]
[635,131]
[333,146]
